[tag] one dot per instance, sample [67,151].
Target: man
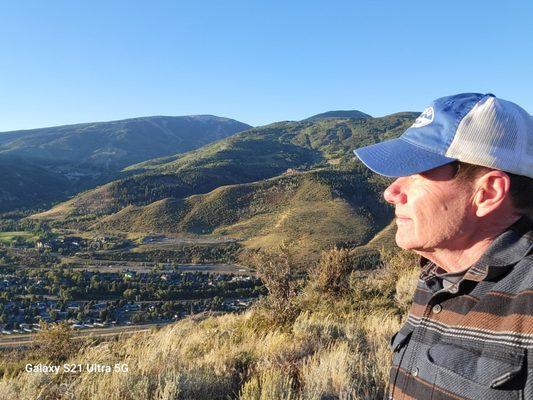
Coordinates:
[464,189]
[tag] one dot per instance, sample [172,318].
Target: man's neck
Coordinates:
[471,249]
[457,260]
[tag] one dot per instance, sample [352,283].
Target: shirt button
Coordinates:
[437,308]
[415,372]
[453,289]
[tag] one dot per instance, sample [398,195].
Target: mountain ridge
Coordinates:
[77,157]
[352,114]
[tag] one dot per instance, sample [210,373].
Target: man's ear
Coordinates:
[492,192]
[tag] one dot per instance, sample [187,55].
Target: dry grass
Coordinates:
[267,385]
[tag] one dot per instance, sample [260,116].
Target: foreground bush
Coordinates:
[331,274]
[281,272]
[55,343]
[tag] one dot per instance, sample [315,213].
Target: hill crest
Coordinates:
[337,114]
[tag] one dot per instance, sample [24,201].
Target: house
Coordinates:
[129,274]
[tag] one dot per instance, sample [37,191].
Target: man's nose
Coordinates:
[394,193]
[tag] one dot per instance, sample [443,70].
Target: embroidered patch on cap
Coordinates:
[424,119]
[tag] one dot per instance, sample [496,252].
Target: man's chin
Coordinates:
[403,242]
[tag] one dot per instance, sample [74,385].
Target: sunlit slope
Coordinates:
[312,210]
[197,173]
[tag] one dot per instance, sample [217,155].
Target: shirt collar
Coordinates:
[506,250]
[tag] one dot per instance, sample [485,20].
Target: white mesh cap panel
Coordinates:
[496,134]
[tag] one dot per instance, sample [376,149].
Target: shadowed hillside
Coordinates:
[116,144]
[71,158]
[23,184]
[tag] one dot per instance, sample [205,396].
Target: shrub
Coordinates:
[281,274]
[331,274]
[55,342]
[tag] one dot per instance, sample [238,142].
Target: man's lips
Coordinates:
[402,218]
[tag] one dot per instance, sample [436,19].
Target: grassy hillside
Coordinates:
[312,210]
[9,238]
[322,331]
[192,176]
[249,156]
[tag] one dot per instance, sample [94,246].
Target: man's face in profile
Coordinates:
[433,209]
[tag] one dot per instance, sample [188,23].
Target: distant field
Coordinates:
[10,237]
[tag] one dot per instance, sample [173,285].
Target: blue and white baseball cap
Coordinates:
[475,128]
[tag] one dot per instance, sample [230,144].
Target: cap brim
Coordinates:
[398,157]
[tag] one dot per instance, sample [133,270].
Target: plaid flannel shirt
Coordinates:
[472,339]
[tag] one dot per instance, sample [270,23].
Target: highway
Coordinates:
[25,340]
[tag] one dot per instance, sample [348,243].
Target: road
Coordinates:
[102,265]
[25,340]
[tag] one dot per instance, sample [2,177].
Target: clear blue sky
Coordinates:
[256,61]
